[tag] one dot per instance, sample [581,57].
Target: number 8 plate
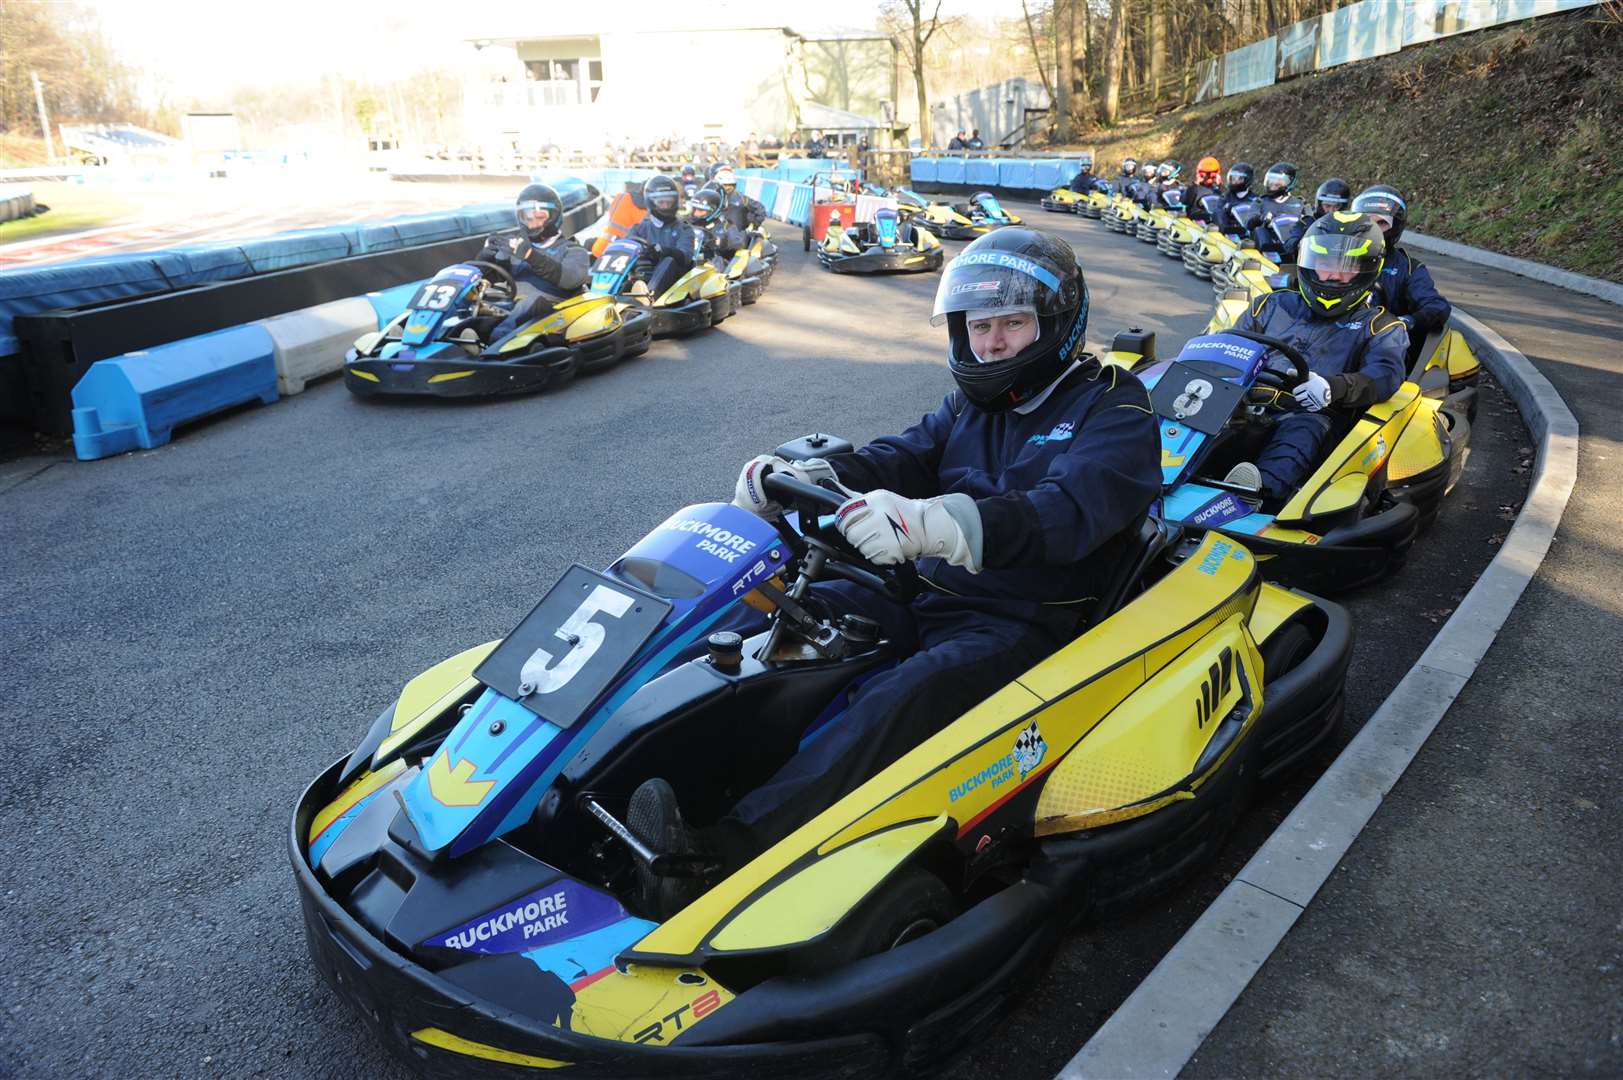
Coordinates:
[569,651]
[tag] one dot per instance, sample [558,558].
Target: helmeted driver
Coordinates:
[1354,348]
[741,211]
[1016,496]
[1405,287]
[663,233]
[546,265]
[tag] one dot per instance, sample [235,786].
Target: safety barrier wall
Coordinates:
[135,401]
[1011,174]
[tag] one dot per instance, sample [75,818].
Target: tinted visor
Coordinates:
[979,280]
[1277,181]
[533,214]
[1333,258]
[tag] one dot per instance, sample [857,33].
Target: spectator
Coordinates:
[958,142]
[975,141]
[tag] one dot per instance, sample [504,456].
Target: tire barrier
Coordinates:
[16,201]
[311,343]
[136,400]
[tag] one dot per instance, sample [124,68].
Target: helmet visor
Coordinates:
[997,280]
[1277,180]
[533,214]
[1339,259]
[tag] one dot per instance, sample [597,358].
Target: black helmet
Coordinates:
[539,211]
[1339,243]
[1015,267]
[1333,191]
[689,171]
[1281,177]
[1169,170]
[662,198]
[1239,180]
[1129,166]
[1385,201]
[714,168]
[705,205]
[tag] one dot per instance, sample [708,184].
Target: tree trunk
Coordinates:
[926,130]
[1115,38]
[1158,51]
[1065,41]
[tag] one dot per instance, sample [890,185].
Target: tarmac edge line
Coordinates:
[1163,1022]
[1527,268]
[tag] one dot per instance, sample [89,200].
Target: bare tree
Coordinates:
[1116,37]
[906,19]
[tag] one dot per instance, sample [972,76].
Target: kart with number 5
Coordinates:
[469,883]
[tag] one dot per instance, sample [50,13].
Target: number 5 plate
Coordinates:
[559,661]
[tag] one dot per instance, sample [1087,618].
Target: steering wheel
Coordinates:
[899,582]
[502,281]
[1273,378]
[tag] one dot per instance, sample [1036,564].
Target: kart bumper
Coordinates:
[964,232]
[442,1030]
[1054,206]
[882,262]
[630,338]
[453,378]
[1344,558]
[681,319]
[1196,265]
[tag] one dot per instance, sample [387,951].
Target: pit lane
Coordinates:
[196,631]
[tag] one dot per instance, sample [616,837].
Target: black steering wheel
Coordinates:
[900,582]
[502,282]
[1273,378]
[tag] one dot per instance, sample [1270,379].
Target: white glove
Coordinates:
[750,493]
[888,529]
[1313,395]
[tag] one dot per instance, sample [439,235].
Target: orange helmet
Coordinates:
[1208,171]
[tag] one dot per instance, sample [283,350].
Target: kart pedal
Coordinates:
[661,864]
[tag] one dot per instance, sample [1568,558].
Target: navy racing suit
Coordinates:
[1058,489]
[674,241]
[1406,288]
[1085,183]
[1360,353]
[743,212]
[544,274]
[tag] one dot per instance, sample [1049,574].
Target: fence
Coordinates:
[1358,31]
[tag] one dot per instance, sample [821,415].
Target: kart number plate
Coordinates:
[568,651]
[1194,398]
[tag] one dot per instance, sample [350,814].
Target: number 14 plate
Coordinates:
[566,653]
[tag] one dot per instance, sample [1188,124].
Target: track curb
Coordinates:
[1552,275]
[1164,1021]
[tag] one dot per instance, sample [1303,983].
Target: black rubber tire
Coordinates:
[908,906]
[1286,649]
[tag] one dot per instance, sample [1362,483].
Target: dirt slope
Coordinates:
[1509,139]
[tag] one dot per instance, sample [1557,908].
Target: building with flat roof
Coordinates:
[583,81]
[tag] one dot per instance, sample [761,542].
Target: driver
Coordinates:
[705,214]
[1207,174]
[1084,182]
[662,233]
[1333,195]
[741,211]
[546,265]
[1239,192]
[1354,348]
[1406,287]
[1016,496]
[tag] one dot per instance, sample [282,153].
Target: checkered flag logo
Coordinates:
[1029,749]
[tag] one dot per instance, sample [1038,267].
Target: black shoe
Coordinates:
[656,820]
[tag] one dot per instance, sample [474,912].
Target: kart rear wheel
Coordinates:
[908,906]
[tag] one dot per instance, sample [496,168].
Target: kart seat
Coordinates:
[1139,546]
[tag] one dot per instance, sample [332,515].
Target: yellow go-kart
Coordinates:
[680,301]
[468,877]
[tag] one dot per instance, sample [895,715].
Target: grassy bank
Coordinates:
[74,207]
[1505,139]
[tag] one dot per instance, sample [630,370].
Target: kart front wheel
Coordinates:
[908,906]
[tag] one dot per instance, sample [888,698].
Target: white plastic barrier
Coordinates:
[868,205]
[312,342]
[786,195]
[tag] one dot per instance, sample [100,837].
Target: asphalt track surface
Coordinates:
[195,631]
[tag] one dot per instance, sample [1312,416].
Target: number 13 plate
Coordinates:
[558,662]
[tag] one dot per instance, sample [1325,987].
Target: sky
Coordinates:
[204,48]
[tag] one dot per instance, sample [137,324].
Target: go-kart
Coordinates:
[682,297]
[884,245]
[967,220]
[1097,201]
[750,266]
[468,879]
[437,347]
[1158,221]
[1123,215]
[1354,519]
[1184,230]
[1062,200]
[1206,258]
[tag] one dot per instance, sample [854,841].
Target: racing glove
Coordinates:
[750,493]
[1314,394]
[889,529]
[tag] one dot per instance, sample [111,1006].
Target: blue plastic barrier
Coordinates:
[924,170]
[389,303]
[981,171]
[950,171]
[135,400]
[1046,174]
[1013,173]
[800,205]
[769,194]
